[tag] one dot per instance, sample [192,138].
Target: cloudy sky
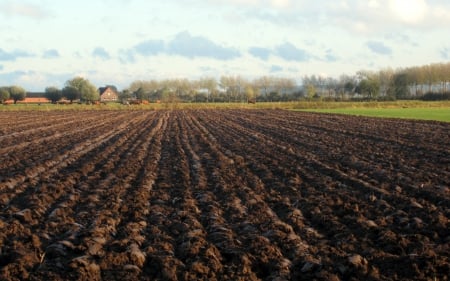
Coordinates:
[46,42]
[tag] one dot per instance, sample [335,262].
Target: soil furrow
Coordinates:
[222,195]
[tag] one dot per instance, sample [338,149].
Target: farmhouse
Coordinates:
[108,93]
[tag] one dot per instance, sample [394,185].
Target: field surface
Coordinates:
[222,195]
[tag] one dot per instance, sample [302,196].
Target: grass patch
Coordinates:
[428,113]
[371,104]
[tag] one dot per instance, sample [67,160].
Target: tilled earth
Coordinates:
[222,195]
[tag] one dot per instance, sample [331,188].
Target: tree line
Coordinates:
[77,88]
[209,89]
[428,82]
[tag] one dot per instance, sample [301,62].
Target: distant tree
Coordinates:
[125,95]
[310,91]
[274,96]
[210,84]
[369,88]
[231,85]
[369,84]
[168,96]
[4,94]
[148,86]
[385,78]
[283,85]
[53,94]
[349,87]
[76,82]
[140,94]
[17,93]
[226,83]
[265,83]
[88,92]
[200,97]
[331,86]
[400,84]
[346,86]
[417,79]
[182,88]
[250,93]
[71,93]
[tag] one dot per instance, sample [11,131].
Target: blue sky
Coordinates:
[46,42]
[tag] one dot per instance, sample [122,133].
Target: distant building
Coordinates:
[108,93]
[31,97]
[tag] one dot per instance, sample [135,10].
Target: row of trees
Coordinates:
[208,89]
[404,83]
[15,93]
[428,81]
[387,84]
[77,88]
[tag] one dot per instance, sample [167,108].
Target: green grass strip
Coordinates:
[437,114]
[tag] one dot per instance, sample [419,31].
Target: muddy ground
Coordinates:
[222,195]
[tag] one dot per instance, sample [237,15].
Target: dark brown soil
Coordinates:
[222,195]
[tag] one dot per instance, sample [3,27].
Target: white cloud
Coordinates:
[409,11]
[374,4]
[440,16]
[280,3]
[290,52]
[184,44]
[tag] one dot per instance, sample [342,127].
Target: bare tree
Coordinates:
[265,83]
[210,84]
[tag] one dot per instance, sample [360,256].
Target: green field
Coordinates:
[422,110]
[429,113]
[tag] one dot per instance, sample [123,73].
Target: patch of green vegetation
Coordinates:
[422,113]
[370,104]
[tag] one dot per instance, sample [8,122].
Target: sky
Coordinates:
[46,42]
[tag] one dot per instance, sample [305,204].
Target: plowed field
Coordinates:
[222,195]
